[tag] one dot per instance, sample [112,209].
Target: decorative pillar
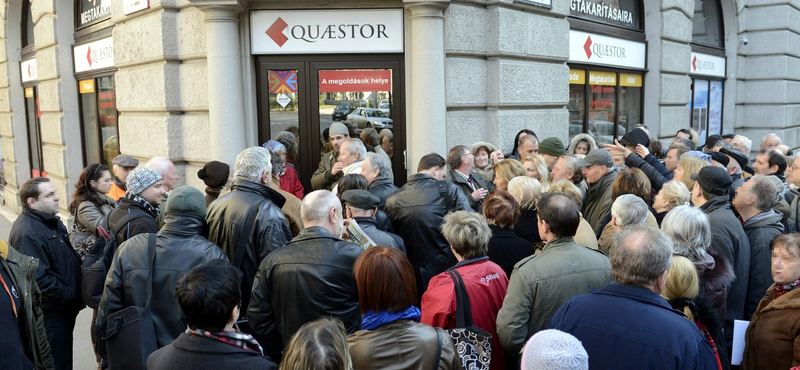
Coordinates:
[226,108]
[427,116]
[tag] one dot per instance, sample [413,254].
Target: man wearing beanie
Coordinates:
[330,170]
[179,247]
[551,149]
[139,207]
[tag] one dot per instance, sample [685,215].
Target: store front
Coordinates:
[708,73]
[311,72]
[607,60]
[33,115]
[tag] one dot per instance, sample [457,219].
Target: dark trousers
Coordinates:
[59,327]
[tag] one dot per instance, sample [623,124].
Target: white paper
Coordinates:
[739,328]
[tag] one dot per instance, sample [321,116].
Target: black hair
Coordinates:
[560,212]
[208,294]
[429,161]
[30,189]
[83,188]
[516,139]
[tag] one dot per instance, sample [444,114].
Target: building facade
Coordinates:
[199,80]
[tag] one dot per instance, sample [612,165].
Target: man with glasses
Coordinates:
[472,185]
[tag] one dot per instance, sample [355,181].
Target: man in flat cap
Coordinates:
[122,167]
[361,206]
[599,172]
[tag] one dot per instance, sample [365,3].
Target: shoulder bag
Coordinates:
[473,345]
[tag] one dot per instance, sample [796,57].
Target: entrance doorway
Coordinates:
[309,93]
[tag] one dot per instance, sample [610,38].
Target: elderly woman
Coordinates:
[318,345]
[585,235]
[526,191]
[690,164]
[486,155]
[536,167]
[505,248]
[691,237]
[506,170]
[392,337]
[485,282]
[672,194]
[288,176]
[581,144]
[772,340]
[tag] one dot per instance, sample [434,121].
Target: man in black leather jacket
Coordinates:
[309,278]
[376,170]
[226,216]
[417,210]
[180,247]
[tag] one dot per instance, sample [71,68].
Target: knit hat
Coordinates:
[214,174]
[552,146]
[142,178]
[554,350]
[698,155]
[273,146]
[186,199]
[633,137]
[338,128]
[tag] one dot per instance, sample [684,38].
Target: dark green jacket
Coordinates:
[22,270]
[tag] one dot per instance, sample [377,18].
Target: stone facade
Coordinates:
[475,70]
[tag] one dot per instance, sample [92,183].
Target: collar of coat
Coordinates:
[263,190]
[786,301]
[638,294]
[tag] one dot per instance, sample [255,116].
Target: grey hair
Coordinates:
[571,161]
[690,231]
[629,210]
[639,255]
[357,146]
[372,136]
[377,161]
[745,140]
[675,193]
[771,135]
[467,233]
[252,162]
[765,193]
[317,204]
[525,190]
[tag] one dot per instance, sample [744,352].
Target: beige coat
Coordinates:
[585,235]
[290,209]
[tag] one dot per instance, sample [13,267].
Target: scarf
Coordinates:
[143,203]
[373,320]
[781,289]
[234,338]
[120,184]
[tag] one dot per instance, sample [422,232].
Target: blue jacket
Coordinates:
[624,327]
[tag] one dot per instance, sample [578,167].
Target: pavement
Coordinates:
[83,353]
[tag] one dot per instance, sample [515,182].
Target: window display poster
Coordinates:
[715,108]
[700,108]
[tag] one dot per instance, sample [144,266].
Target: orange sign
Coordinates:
[86,86]
[28,92]
[577,77]
[627,79]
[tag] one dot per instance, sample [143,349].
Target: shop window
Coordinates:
[27,24]
[707,23]
[607,106]
[706,107]
[33,113]
[99,120]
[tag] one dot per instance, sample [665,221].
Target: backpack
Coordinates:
[97,261]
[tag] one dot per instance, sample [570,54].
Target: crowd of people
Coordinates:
[577,256]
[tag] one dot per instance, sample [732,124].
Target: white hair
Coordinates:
[629,210]
[317,204]
[252,162]
[690,231]
[377,161]
[357,146]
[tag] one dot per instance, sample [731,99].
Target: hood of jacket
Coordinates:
[768,219]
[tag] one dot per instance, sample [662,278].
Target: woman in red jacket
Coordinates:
[468,235]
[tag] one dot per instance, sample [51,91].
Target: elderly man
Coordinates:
[40,234]
[599,172]
[551,150]
[472,185]
[627,324]
[728,239]
[316,262]
[376,170]
[736,163]
[566,168]
[122,167]
[387,143]
[370,137]
[351,155]
[247,223]
[330,170]
[770,141]
[418,209]
[361,207]
[742,144]
[138,209]
[754,201]
[542,283]
[627,211]
[770,161]
[167,170]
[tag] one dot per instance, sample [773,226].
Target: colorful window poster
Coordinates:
[700,108]
[715,108]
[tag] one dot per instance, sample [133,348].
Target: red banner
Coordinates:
[355,80]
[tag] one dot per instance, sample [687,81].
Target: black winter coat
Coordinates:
[179,248]
[466,189]
[145,224]
[729,240]
[506,248]
[760,229]
[58,275]
[706,315]
[192,353]
[527,226]
[382,188]
[417,211]
[226,217]
[309,278]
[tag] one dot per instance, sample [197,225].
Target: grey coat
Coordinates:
[88,217]
[760,229]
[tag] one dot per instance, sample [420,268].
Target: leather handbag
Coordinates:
[473,345]
[130,333]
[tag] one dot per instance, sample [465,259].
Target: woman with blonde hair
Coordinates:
[672,194]
[526,191]
[682,292]
[688,166]
[585,235]
[536,167]
[318,345]
[506,170]
[581,144]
